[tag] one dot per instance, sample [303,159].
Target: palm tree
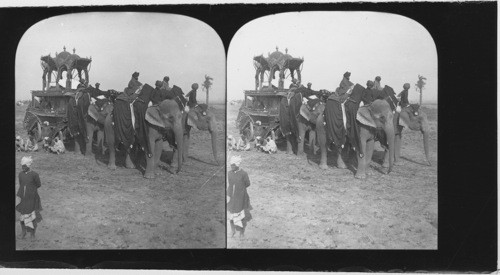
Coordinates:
[420,85]
[207,84]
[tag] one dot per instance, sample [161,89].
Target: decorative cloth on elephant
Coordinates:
[284,117]
[334,119]
[73,125]
[82,107]
[351,107]
[122,118]
[179,97]
[294,109]
[140,106]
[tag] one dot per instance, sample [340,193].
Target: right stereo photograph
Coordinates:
[332,133]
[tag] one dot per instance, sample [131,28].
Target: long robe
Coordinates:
[237,191]
[29,182]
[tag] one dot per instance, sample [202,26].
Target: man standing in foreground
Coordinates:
[238,201]
[30,205]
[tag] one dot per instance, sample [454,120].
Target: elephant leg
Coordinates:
[100,141]
[397,147]
[370,146]
[321,134]
[340,161]
[302,135]
[158,149]
[186,148]
[385,162]
[186,139]
[88,140]
[110,140]
[361,171]
[312,141]
[150,158]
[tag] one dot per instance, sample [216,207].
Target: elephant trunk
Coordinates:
[426,146]
[389,131]
[213,133]
[179,135]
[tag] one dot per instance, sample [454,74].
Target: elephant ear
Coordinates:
[364,117]
[153,116]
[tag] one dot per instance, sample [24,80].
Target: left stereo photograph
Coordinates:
[120,128]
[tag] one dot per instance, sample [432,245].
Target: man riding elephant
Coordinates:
[345,84]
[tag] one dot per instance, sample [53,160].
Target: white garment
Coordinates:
[237,218]
[28,219]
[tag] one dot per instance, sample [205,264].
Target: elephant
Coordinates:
[415,123]
[161,121]
[121,127]
[376,116]
[202,122]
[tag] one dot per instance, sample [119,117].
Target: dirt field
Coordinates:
[87,206]
[297,205]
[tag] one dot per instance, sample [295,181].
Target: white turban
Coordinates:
[26,161]
[236,160]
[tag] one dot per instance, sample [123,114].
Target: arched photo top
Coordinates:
[367,44]
[121,43]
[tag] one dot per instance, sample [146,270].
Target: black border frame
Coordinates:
[466,39]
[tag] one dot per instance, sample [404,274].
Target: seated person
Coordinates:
[58,146]
[31,145]
[19,144]
[269,146]
[46,144]
[243,144]
[231,143]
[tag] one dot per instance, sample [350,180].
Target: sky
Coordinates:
[120,43]
[367,44]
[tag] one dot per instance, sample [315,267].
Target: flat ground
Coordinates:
[87,206]
[297,205]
